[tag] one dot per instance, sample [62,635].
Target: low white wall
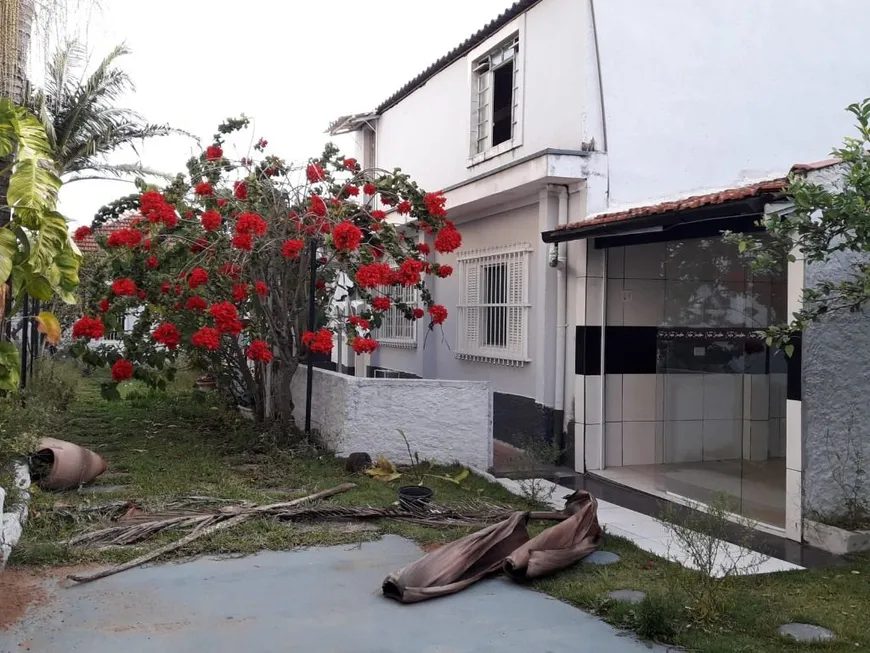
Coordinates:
[444,421]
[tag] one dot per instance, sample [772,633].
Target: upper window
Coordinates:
[494,305]
[396,330]
[495,100]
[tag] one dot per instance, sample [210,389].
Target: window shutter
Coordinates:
[516,294]
[472,299]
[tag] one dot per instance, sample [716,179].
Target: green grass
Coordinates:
[751,608]
[162,446]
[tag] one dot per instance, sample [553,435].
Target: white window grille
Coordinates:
[494,308]
[495,97]
[396,330]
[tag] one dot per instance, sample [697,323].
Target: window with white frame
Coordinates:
[493,308]
[396,330]
[495,98]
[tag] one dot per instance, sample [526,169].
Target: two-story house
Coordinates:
[630,134]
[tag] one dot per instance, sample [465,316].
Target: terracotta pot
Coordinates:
[246,412]
[69,464]
[206,383]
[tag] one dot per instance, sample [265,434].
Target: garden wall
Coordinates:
[444,421]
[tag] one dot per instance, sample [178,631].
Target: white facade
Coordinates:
[614,103]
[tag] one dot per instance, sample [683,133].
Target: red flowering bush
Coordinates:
[228,285]
[122,370]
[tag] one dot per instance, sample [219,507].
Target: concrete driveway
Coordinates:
[324,600]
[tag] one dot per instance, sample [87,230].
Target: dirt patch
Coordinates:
[20,590]
[428,548]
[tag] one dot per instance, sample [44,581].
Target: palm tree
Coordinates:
[81,118]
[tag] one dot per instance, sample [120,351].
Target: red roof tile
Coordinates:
[88,245]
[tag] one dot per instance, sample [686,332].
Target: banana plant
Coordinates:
[35,246]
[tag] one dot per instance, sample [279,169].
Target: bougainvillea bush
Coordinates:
[218,267]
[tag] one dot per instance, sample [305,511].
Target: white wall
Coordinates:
[427,133]
[444,421]
[699,94]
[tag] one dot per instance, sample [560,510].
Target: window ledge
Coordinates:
[492,359]
[398,344]
[493,152]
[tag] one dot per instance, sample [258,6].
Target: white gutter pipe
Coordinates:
[560,258]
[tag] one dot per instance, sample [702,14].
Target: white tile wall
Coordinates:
[683,441]
[793,504]
[593,399]
[579,399]
[616,263]
[594,287]
[613,444]
[615,303]
[639,397]
[723,439]
[579,447]
[613,397]
[684,397]
[755,439]
[592,438]
[759,397]
[775,438]
[594,262]
[644,302]
[638,443]
[723,396]
[778,394]
[645,261]
[794,436]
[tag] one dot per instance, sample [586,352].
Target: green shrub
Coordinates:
[658,617]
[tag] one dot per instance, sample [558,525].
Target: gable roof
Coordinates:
[458,52]
[88,244]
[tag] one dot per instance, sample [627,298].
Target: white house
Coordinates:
[630,134]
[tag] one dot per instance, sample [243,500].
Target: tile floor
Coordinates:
[652,535]
[757,487]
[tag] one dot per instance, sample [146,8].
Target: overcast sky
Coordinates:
[292,66]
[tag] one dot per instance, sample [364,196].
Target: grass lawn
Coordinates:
[161,446]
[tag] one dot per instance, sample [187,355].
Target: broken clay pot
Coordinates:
[68,464]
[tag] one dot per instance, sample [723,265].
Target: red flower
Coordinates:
[221,203]
[125,238]
[373,275]
[197,277]
[240,190]
[259,351]
[447,240]
[142,295]
[418,313]
[404,207]
[318,206]
[81,233]
[369,189]
[444,271]
[387,200]
[424,249]
[360,322]
[291,248]
[351,190]
[204,189]
[251,223]
[104,305]
[438,313]
[152,263]
[124,287]
[199,245]
[363,345]
[226,318]
[262,143]
[89,327]
[320,284]
[146,244]
[378,251]
[167,334]
[409,272]
[156,209]
[346,236]
[240,292]
[319,342]
[315,173]
[206,338]
[213,153]
[350,164]
[230,270]
[261,288]
[210,220]
[243,241]
[377,214]
[122,370]
[435,204]
[376,226]
[165,287]
[381,303]
[196,304]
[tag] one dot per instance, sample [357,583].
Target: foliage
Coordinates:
[218,268]
[80,116]
[827,221]
[35,247]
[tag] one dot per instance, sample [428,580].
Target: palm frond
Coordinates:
[117,171]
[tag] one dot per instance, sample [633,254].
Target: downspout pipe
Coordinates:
[559,260]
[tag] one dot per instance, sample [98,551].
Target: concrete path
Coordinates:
[326,600]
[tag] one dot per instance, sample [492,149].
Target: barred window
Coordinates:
[396,330]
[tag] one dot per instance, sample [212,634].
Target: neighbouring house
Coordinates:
[591,154]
